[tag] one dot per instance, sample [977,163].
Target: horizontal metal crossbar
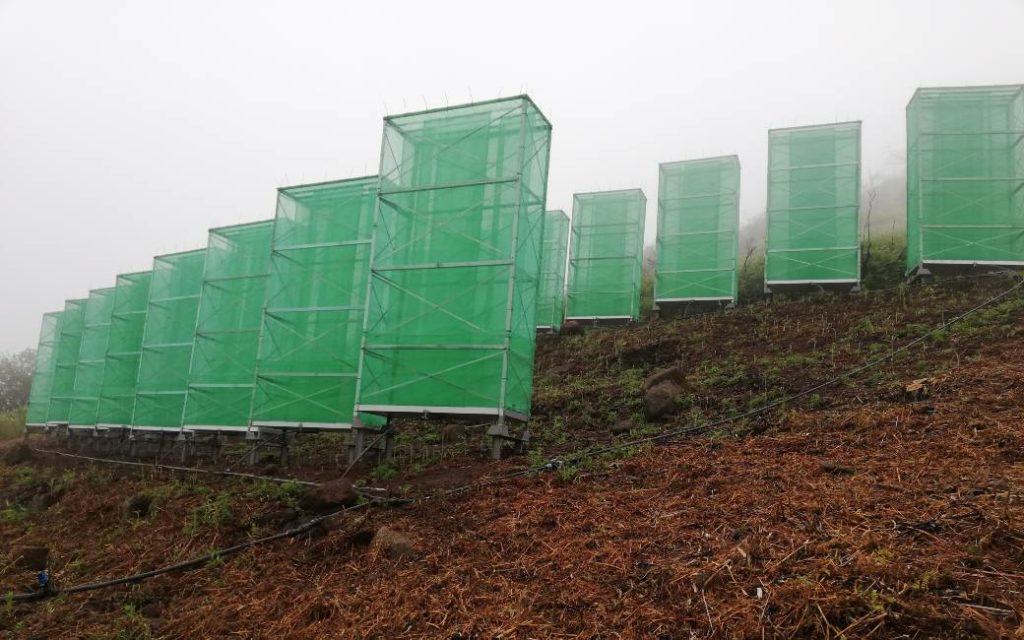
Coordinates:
[813,249]
[436,347]
[454,185]
[320,245]
[436,410]
[444,265]
[816,281]
[696,299]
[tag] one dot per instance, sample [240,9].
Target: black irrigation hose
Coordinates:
[554,464]
[170,467]
[181,566]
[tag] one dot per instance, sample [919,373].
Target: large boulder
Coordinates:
[392,544]
[31,558]
[673,375]
[329,496]
[661,390]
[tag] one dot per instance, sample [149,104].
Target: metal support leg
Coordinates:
[498,434]
[283,453]
[358,443]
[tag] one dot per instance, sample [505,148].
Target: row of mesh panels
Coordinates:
[273,323]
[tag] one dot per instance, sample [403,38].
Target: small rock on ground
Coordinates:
[660,400]
[393,544]
[137,506]
[330,495]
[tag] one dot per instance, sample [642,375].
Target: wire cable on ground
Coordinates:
[551,465]
[670,435]
[170,467]
[183,566]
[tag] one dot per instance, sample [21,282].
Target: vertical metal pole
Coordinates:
[857,192]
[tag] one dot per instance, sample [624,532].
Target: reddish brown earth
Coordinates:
[865,511]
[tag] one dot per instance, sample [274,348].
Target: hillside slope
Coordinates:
[861,509]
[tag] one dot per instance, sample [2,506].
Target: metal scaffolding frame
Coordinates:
[66,361]
[551,295]
[312,325]
[222,366]
[124,349]
[606,253]
[450,321]
[698,231]
[171,313]
[965,178]
[44,370]
[813,228]
[92,356]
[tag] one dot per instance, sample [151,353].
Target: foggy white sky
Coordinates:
[127,129]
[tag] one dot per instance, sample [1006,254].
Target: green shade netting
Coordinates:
[312,327]
[551,294]
[606,254]
[124,348]
[450,323]
[167,340]
[698,229]
[222,374]
[813,204]
[965,176]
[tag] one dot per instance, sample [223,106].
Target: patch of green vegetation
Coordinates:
[131,625]
[212,513]
[385,471]
[882,555]
[98,475]
[926,581]
[883,260]
[286,493]
[536,457]
[800,360]
[28,476]
[12,423]
[647,295]
[549,432]
[751,279]
[60,484]
[725,372]
[814,401]
[568,473]
[14,513]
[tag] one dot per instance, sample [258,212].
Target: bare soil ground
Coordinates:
[864,510]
